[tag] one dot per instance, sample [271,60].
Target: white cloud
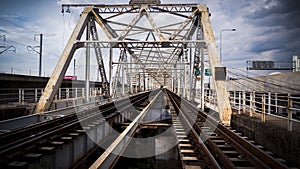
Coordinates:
[255,32]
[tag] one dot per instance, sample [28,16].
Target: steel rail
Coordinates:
[59,126]
[41,126]
[213,161]
[256,156]
[109,158]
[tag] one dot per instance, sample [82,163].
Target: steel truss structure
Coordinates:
[158,44]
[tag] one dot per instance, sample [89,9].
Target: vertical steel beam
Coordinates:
[184,73]
[123,79]
[87,62]
[190,76]
[202,80]
[110,69]
[179,80]
[63,64]
[130,75]
[224,106]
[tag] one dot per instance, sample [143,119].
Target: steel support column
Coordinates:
[223,102]
[184,73]
[202,80]
[110,69]
[63,64]
[123,80]
[87,63]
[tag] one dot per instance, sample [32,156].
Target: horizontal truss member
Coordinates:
[146,44]
[151,63]
[126,8]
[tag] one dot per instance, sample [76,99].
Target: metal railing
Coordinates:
[32,95]
[279,105]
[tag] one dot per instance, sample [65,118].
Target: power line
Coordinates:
[19,43]
[5,20]
[268,78]
[262,83]
[20,26]
[17,35]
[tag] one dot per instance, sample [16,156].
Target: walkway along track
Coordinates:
[19,147]
[227,148]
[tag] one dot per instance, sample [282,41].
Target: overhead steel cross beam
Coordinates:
[155,8]
[175,42]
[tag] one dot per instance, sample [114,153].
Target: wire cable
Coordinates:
[262,83]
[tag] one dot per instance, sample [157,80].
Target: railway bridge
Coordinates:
[157,105]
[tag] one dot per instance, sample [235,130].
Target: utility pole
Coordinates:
[41,48]
[32,48]
[74,68]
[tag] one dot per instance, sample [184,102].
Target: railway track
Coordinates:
[202,141]
[221,146]
[20,147]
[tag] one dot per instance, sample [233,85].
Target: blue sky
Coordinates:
[266,30]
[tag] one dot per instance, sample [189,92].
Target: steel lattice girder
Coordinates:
[173,37]
[124,8]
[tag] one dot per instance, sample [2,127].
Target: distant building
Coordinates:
[296,61]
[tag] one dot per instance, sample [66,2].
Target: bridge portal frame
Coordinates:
[177,40]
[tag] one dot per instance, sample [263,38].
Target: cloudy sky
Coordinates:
[266,30]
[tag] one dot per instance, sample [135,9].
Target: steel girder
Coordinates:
[148,42]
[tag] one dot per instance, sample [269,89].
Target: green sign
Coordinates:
[198,72]
[207,72]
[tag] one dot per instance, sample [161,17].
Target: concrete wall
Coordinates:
[260,84]
[22,81]
[276,139]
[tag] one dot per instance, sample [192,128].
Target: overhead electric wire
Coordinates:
[250,79]
[277,84]
[18,36]
[20,26]
[262,82]
[277,80]
[253,83]
[22,44]
[249,84]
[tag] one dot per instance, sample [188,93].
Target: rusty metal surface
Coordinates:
[224,107]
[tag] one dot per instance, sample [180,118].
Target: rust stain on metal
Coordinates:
[223,102]
[62,65]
